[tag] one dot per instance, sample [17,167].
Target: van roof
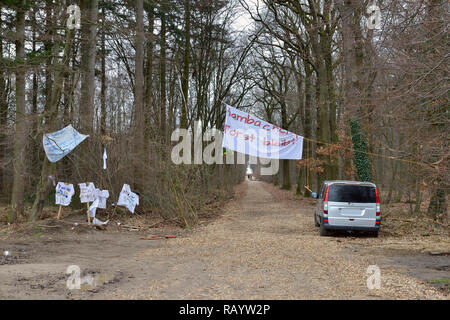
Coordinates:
[330,182]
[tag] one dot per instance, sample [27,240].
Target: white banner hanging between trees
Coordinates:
[59,144]
[250,135]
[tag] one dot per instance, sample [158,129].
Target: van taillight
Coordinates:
[325,201]
[378,202]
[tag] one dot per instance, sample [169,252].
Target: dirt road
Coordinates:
[263,246]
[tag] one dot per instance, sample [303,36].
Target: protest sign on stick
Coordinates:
[101,195]
[58,217]
[128,199]
[87,194]
[63,195]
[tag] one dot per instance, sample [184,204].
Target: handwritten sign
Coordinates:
[128,199]
[64,193]
[87,192]
[247,134]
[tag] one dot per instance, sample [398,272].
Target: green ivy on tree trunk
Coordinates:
[362,161]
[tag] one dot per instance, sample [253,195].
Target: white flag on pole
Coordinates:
[105,156]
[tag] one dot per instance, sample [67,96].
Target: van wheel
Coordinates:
[323,231]
[316,224]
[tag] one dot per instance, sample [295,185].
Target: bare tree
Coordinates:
[17,197]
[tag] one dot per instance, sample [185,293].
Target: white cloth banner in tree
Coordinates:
[128,199]
[250,135]
[58,144]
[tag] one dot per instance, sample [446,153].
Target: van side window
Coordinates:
[321,191]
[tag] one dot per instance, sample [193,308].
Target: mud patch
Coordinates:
[13,256]
[441,284]
[66,285]
[433,269]
[94,280]
[48,282]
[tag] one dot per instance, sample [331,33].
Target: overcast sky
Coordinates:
[243,21]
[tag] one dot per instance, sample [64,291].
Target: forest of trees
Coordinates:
[137,70]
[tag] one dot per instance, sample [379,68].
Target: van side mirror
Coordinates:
[314,195]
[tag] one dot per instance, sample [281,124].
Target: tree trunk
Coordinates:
[286,184]
[34,148]
[162,79]
[88,53]
[322,119]
[51,125]
[353,62]
[3,110]
[17,201]
[333,138]
[308,124]
[186,62]
[139,93]
[149,98]
[418,196]
[103,76]
[48,47]
[437,208]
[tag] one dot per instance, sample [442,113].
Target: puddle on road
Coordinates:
[95,280]
[13,253]
[12,256]
[89,282]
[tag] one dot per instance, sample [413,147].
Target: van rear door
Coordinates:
[352,205]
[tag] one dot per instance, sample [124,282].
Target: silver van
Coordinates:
[347,205]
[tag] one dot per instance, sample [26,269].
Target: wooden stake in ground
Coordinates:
[88,218]
[114,211]
[58,217]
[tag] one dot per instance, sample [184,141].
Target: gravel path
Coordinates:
[264,248]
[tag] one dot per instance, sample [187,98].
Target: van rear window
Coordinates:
[348,193]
